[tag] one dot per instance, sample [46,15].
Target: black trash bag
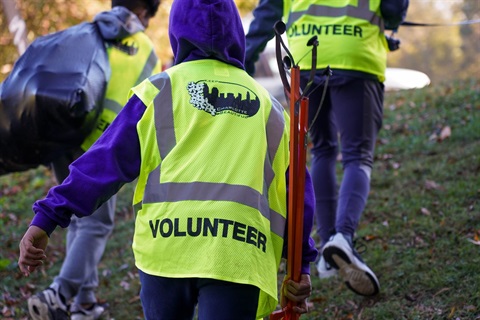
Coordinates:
[52,98]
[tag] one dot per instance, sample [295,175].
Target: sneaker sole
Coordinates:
[327,274]
[324,273]
[103,315]
[38,309]
[356,279]
[100,311]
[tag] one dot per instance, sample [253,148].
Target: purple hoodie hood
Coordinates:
[207,29]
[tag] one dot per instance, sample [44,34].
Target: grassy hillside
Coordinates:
[421,226]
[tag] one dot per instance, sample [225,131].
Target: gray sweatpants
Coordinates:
[86,241]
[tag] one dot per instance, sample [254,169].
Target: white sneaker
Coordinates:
[48,305]
[95,312]
[324,269]
[340,254]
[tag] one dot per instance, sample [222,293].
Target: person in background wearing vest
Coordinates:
[352,42]
[210,149]
[132,59]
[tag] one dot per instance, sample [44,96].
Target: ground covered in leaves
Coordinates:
[421,226]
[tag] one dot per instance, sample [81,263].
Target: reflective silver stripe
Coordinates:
[164,125]
[208,191]
[146,72]
[277,223]
[275,127]
[150,194]
[148,68]
[362,11]
[112,105]
[156,192]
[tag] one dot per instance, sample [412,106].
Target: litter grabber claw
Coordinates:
[298,102]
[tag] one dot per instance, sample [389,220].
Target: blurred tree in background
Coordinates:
[444,53]
[471,37]
[46,16]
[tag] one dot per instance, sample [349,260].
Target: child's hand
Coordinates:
[297,292]
[32,250]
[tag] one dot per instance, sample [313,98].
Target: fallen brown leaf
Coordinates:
[134,299]
[125,285]
[370,237]
[425,211]
[441,291]
[432,185]
[6,312]
[445,133]
[452,312]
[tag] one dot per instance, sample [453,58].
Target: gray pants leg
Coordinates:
[86,241]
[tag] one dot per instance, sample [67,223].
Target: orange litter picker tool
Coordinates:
[297,167]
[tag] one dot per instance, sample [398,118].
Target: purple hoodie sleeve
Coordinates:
[309,252]
[112,161]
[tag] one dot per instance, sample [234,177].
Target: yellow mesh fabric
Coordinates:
[126,72]
[218,144]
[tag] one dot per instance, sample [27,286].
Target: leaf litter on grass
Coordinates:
[421,224]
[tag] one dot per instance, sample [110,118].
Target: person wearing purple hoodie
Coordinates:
[210,149]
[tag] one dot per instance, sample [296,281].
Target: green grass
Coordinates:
[423,209]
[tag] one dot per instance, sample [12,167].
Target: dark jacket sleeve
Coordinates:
[393,12]
[309,251]
[261,30]
[112,161]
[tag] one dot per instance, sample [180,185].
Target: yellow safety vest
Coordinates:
[211,194]
[132,60]
[350,34]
